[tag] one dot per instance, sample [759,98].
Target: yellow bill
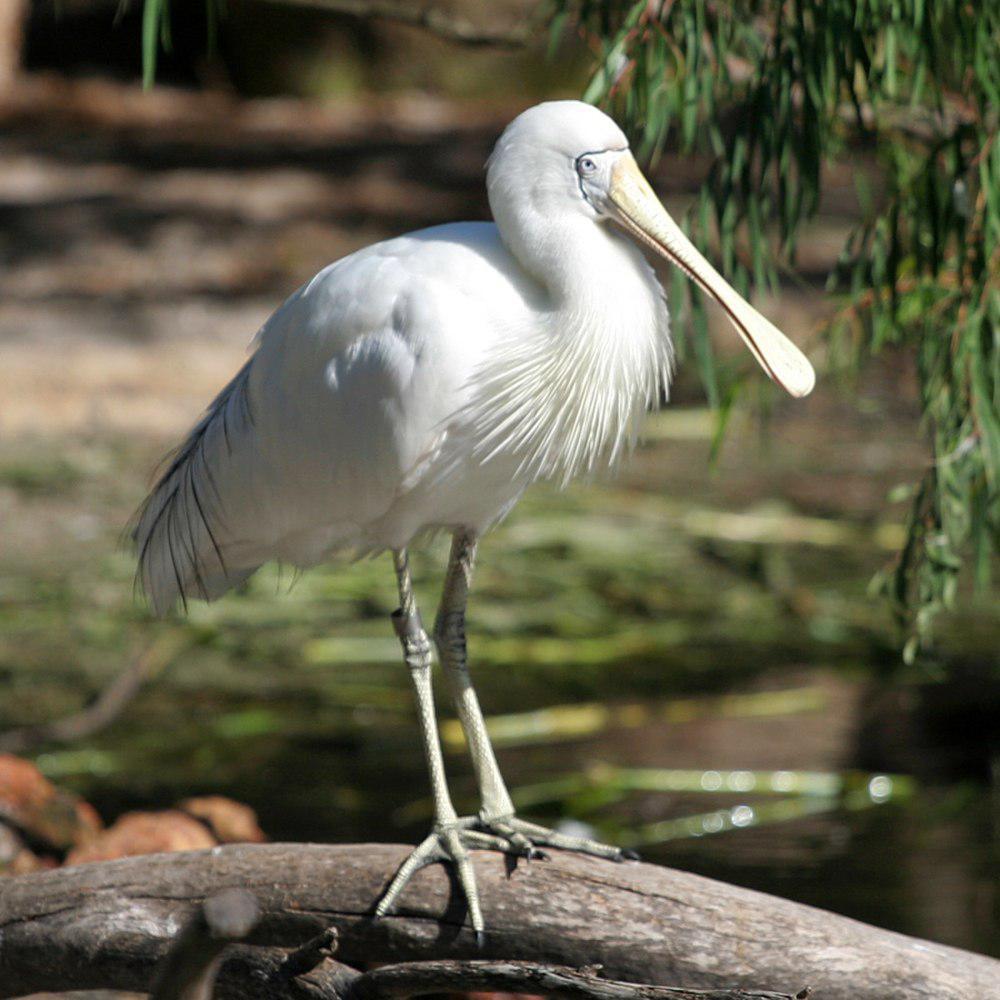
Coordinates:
[642,214]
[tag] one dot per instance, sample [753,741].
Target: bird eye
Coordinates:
[585,166]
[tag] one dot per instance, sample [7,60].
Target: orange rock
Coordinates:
[15,858]
[43,812]
[232,822]
[87,819]
[144,833]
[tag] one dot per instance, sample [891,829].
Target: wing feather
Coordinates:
[324,436]
[180,531]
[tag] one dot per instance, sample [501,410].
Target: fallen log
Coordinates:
[188,970]
[107,924]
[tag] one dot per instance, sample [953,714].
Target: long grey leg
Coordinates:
[417,656]
[445,841]
[496,827]
[449,634]
[497,810]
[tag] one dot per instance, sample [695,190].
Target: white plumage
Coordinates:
[423,383]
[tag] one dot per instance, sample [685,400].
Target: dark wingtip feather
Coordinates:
[175,524]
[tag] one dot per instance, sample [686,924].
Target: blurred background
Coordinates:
[688,659]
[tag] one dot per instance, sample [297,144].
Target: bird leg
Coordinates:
[496,815]
[449,634]
[450,837]
[495,827]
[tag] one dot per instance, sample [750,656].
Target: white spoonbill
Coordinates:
[422,384]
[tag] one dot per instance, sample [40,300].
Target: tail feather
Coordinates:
[181,529]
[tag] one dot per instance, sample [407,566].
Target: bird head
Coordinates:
[569,157]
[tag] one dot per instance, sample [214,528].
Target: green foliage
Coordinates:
[156,31]
[772,91]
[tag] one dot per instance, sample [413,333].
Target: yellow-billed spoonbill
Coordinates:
[423,383]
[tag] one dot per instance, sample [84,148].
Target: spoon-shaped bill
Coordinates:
[642,214]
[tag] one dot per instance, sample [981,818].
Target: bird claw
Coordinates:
[534,836]
[451,842]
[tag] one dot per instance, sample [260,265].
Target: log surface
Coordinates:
[70,928]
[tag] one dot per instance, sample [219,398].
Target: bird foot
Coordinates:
[452,841]
[527,837]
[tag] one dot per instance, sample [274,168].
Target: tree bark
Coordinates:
[106,924]
[189,969]
[416,979]
[13,14]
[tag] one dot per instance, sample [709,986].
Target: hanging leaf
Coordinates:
[770,91]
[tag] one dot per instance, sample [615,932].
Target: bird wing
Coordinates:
[344,397]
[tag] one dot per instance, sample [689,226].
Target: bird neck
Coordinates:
[567,394]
